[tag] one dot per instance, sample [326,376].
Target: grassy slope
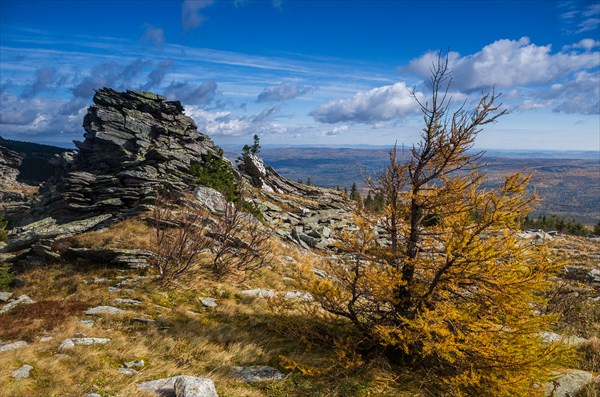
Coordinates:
[188,338]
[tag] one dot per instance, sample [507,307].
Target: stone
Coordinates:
[185,384]
[257,373]
[259,293]
[305,296]
[571,340]
[21,300]
[209,302]
[87,323]
[12,346]
[117,257]
[17,283]
[71,342]
[188,386]
[22,373]
[127,371]
[210,199]
[126,301]
[134,364]
[44,339]
[5,296]
[568,383]
[104,310]
[93,395]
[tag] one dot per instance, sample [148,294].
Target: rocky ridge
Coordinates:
[135,143]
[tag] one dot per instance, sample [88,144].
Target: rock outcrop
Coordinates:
[135,143]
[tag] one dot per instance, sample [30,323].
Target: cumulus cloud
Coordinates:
[36,116]
[581,95]
[193,94]
[337,130]
[506,63]
[44,78]
[583,44]
[379,104]
[155,36]
[226,123]
[283,91]
[190,13]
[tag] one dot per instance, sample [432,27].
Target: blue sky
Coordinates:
[305,72]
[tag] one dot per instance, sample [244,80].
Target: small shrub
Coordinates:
[216,173]
[6,277]
[3,232]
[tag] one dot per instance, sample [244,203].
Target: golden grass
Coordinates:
[207,343]
[130,233]
[187,337]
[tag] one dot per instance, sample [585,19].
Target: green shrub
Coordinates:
[216,173]
[3,232]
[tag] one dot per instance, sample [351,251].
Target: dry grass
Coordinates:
[188,338]
[130,233]
[26,322]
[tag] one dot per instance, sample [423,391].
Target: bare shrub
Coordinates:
[179,237]
[240,242]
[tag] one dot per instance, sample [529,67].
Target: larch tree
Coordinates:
[454,288]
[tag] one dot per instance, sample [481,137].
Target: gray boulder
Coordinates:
[71,342]
[104,310]
[22,373]
[181,386]
[21,300]
[568,383]
[12,346]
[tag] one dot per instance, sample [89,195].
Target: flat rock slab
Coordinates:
[571,340]
[568,383]
[22,373]
[4,296]
[127,371]
[12,346]
[125,301]
[181,386]
[104,310]
[209,302]
[257,373]
[21,300]
[259,293]
[305,296]
[70,343]
[134,364]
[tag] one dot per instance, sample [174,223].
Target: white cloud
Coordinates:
[283,91]
[581,95]
[583,44]
[225,123]
[190,13]
[337,130]
[507,63]
[379,104]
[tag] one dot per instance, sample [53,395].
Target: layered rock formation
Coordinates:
[135,143]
